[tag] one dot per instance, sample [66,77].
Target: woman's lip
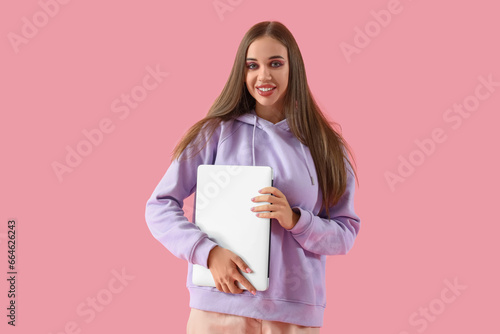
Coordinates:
[266,93]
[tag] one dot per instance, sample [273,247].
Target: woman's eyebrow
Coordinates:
[273,57]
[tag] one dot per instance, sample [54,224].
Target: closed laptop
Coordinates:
[222,210]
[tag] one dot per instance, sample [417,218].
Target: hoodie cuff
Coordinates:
[304,222]
[201,251]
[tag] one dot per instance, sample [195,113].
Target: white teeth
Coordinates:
[266,89]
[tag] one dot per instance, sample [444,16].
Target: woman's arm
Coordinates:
[164,215]
[329,237]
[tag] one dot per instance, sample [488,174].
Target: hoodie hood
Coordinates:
[252,119]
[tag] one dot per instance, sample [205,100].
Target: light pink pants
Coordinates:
[204,322]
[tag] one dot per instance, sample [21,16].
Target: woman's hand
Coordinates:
[223,265]
[279,207]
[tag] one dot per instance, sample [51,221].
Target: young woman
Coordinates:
[265,116]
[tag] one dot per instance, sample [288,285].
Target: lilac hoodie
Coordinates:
[296,292]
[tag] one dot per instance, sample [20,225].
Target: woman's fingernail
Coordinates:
[253,292]
[248,270]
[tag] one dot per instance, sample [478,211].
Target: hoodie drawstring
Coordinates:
[307,165]
[253,140]
[301,146]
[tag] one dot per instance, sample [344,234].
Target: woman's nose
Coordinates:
[264,74]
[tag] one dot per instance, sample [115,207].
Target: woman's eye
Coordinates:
[274,64]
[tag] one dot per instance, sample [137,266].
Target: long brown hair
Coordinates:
[327,146]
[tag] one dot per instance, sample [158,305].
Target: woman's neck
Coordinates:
[270,113]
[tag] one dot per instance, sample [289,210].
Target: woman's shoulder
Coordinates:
[223,128]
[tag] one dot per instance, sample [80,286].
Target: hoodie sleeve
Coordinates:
[329,237]
[164,215]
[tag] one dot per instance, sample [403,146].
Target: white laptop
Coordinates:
[223,202]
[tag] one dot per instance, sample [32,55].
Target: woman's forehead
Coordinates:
[265,48]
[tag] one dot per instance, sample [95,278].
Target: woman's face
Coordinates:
[267,67]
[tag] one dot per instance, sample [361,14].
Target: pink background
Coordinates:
[439,225]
